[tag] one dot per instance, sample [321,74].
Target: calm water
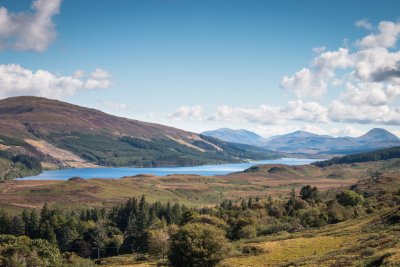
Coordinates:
[206,170]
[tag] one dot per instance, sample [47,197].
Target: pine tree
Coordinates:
[32,226]
[17,226]
[5,223]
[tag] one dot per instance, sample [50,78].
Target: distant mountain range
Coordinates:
[308,143]
[237,136]
[65,135]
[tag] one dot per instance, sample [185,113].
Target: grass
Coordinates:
[357,242]
[196,191]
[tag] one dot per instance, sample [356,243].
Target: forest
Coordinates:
[382,154]
[173,234]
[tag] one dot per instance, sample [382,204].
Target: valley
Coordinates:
[62,135]
[193,190]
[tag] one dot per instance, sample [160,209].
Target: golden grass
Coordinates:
[342,244]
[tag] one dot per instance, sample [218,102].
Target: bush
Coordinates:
[247,232]
[349,198]
[197,245]
[368,252]
[313,218]
[309,193]
[158,242]
[337,213]
[252,250]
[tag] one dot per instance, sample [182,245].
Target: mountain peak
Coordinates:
[378,134]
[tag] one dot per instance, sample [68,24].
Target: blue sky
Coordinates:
[201,65]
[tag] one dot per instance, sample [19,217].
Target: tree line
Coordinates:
[172,233]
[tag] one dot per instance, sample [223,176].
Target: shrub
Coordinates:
[309,193]
[337,213]
[196,245]
[158,242]
[252,250]
[368,252]
[207,219]
[349,198]
[247,232]
[313,218]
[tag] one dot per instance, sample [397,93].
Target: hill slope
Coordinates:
[66,135]
[383,154]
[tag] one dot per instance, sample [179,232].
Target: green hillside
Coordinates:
[382,154]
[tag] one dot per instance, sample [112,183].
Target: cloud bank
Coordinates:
[16,80]
[365,76]
[31,30]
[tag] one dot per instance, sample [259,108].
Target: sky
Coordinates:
[273,67]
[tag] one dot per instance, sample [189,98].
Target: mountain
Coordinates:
[308,143]
[377,135]
[65,135]
[302,142]
[236,136]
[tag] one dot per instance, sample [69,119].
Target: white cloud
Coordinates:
[305,83]
[367,80]
[364,114]
[16,80]
[319,50]
[364,24]
[264,114]
[314,82]
[33,30]
[371,94]
[386,37]
[346,131]
[100,74]
[187,112]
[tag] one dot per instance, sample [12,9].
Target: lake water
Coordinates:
[206,170]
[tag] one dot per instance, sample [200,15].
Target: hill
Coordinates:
[65,135]
[382,154]
[236,136]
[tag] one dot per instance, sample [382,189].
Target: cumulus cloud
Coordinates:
[367,78]
[386,37]
[364,24]
[187,112]
[16,80]
[269,115]
[364,114]
[314,82]
[305,83]
[33,30]
[346,131]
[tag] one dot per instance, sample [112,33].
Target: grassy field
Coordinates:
[361,242]
[191,190]
[197,191]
